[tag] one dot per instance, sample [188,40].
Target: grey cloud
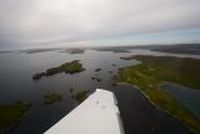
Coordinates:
[29,21]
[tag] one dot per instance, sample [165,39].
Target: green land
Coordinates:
[12,114]
[69,67]
[153,72]
[81,96]
[51,98]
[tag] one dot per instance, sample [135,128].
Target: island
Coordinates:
[96,78]
[69,67]
[113,65]
[110,72]
[52,97]
[149,76]
[81,96]
[11,114]
[74,51]
[98,70]
[71,90]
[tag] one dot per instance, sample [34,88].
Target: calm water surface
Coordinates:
[16,71]
[190,98]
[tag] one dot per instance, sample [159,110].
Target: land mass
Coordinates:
[185,48]
[11,114]
[153,72]
[39,50]
[69,67]
[74,51]
[115,49]
[181,48]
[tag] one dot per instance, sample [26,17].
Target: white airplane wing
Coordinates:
[98,114]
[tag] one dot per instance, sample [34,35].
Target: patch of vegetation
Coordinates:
[69,67]
[51,98]
[153,72]
[185,71]
[81,96]
[12,114]
[98,70]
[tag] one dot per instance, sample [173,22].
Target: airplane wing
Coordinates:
[98,114]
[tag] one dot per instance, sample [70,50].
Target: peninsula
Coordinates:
[153,72]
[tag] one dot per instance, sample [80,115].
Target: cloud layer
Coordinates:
[40,21]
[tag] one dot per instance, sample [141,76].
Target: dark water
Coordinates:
[16,71]
[139,117]
[190,98]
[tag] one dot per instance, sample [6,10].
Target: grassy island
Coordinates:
[69,67]
[12,114]
[154,72]
[81,96]
[51,98]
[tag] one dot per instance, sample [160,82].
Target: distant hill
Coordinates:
[179,48]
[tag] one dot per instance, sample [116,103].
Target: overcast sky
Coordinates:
[30,23]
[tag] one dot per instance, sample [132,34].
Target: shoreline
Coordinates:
[153,104]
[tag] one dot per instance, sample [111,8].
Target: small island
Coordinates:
[114,65]
[81,96]
[96,78]
[71,90]
[11,114]
[69,67]
[110,72]
[98,70]
[52,97]
[153,72]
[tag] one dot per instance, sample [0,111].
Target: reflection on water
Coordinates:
[16,72]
